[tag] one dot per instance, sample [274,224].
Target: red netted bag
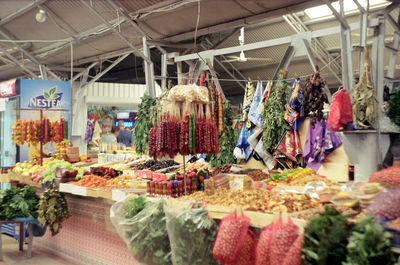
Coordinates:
[246,252]
[283,237]
[232,232]
[390,174]
[262,252]
[293,257]
[340,111]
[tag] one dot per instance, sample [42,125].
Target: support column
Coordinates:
[347,59]
[148,70]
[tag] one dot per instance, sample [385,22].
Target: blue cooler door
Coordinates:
[8,149]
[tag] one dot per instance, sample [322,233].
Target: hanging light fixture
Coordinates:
[41,16]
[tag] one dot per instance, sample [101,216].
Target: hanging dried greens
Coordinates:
[142,125]
[394,107]
[53,209]
[227,140]
[363,100]
[274,125]
[314,98]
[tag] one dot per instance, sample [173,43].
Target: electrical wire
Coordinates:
[197,26]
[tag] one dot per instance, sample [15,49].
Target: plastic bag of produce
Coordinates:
[191,93]
[231,235]
[246,253]
[191,234]
[262,253]
[284,236]
[340,111]
[142,225]
[386,205]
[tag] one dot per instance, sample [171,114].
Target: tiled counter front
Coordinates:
[87,237]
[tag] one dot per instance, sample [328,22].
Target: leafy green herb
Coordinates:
[227,140]
[394,107]
[142,125]
[369,244]
[274,125]
[325,239]
[17,202]
[50,173]
[192,227]
[53,209]
[134,206]
[147,235]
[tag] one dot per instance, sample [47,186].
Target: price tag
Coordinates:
[144,174]
[160,176]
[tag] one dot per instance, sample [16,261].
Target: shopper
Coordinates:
[124,136]
[111,138]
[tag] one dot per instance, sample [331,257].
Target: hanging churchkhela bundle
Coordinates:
[43,130]
[314,98]
[195,133]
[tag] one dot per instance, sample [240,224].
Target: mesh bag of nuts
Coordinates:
[231,235]
[246,253]
[293,257]
[262,253]
[284,236]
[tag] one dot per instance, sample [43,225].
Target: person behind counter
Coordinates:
[124,136]
[111,138]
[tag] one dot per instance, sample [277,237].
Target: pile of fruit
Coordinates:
[121,181]
[289,175]
[91,181]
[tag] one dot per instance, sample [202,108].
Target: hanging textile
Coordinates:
[340,111]
[288,152]
[243,149]
[254,116]
[89,131]
[293,108]
[320,143]
[265,95]
[248,98]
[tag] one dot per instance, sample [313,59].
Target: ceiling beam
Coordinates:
[21,11]
[136,50]
[268,43]
[244,21]
[18,64]
[30,56]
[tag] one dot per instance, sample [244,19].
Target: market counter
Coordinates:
[87,237]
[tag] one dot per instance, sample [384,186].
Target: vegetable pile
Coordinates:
[191,227]
[50,173]
[369,244]
[226,140]
[91,181]
[18,202]
[53,209]
[142,124]
[325,239]
[390,175]
[274,125]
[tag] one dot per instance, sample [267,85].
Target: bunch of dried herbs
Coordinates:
[53,209]
[363,100]
[274,125]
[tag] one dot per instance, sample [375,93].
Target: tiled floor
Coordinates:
[12,256]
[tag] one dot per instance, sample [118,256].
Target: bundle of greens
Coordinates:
[146,235]
[394,107]
[274,125]
[133,207]
[325,239]
[17,202]
[369,244]
[142,125]
[227,140]
[53,209]
[191,227]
